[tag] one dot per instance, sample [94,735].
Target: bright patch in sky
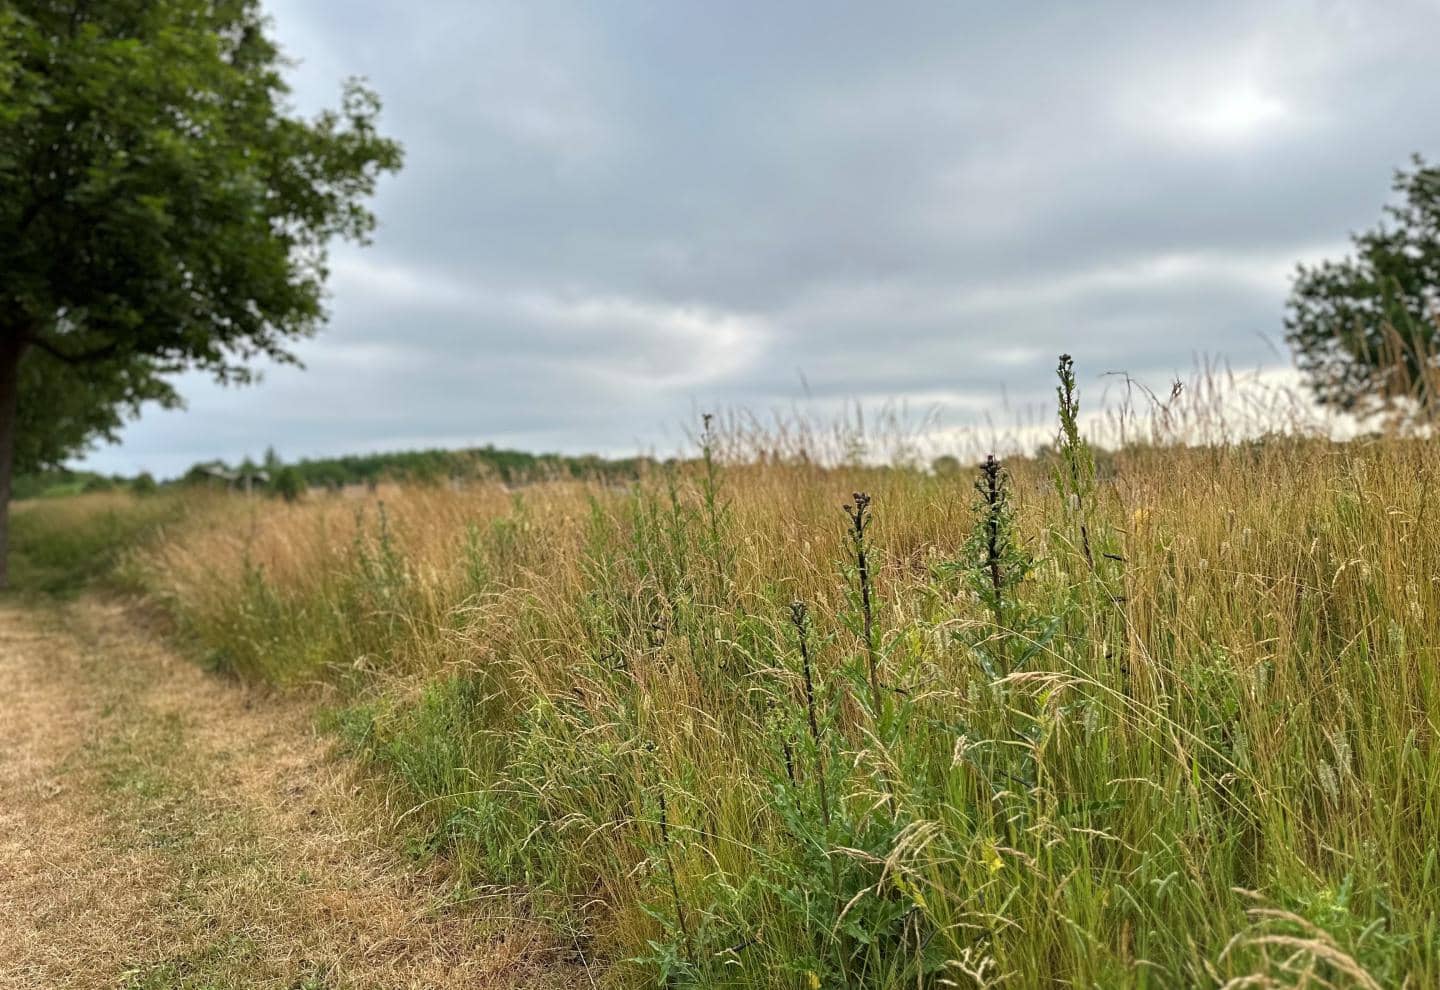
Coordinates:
[1236,113]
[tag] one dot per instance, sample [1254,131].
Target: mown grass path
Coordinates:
[162,827]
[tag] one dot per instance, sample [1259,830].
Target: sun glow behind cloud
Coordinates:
[1233,114]
[1223,101]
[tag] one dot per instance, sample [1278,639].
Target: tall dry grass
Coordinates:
[1166,720]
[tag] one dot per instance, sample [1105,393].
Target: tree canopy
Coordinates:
[1364,328]
[162,207]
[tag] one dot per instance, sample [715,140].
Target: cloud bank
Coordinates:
[615,214]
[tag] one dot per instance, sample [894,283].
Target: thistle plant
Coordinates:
[1075,478]
[860,519]
[999,561]
[992,493]
[994,563]
[1075,471]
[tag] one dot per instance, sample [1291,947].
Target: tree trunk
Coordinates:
[11,351]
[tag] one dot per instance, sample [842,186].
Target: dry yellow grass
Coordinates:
[1241,697]
[163,828]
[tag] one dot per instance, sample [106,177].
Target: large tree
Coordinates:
[1364,328]
[161,207]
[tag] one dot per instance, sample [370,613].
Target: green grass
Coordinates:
[60,546]
[1171,723]
[1183,738]
[219,966]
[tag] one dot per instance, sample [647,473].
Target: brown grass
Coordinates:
[163,827]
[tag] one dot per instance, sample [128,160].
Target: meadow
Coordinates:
[1159,715]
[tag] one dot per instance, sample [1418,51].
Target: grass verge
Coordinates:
[1169,722]
[62,545]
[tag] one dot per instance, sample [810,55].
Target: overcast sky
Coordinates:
[615,214]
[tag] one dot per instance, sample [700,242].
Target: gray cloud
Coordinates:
[613,214]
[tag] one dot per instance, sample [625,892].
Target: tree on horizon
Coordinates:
[1364,329]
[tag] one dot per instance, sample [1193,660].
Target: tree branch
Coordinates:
[84,357]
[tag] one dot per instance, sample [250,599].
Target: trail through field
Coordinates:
[164,827]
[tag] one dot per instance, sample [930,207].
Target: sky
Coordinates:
[615,215]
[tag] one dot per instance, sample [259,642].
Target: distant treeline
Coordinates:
[63,481]
[417,466]
[509,466]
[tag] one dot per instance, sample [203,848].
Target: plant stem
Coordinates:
[674,886]
[798,613]
[860,520]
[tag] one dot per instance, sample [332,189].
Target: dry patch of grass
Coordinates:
[163,828]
